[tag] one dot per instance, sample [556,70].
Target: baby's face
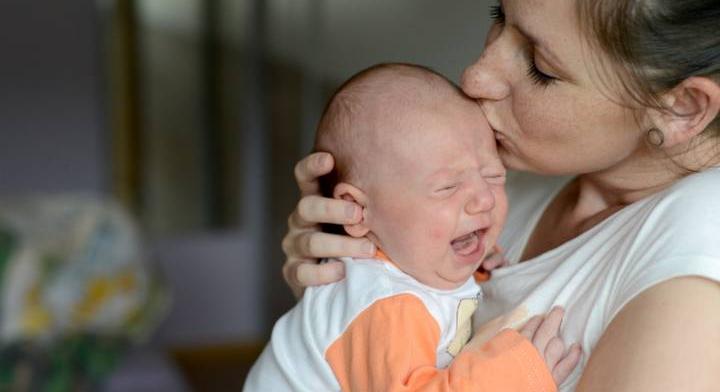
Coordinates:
[437,201]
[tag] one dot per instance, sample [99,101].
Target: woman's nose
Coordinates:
[481,199]
[483,80]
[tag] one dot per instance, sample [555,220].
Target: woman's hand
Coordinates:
[304,244]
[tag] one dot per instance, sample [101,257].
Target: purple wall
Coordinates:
[51,130]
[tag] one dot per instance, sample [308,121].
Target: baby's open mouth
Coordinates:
[466,244]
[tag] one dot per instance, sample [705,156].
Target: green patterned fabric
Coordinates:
[7,244]
[76,292]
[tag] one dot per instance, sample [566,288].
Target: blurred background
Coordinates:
[162,135]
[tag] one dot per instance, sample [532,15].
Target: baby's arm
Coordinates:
[543,332]
[494,259]
[392,345]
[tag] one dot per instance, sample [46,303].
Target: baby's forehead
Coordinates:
[406,85]
[405,99]
[403,128]
[386,107]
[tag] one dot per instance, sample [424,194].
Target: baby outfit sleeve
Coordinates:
[391,346]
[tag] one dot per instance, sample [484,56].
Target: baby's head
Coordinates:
[420,158]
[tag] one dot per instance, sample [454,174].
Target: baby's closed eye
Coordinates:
[446,190]
[498,179]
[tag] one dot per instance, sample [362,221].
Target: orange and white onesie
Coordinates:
[381,330]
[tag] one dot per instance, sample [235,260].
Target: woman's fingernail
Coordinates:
[350,211]
[369,248]
[321,159]
[340,271]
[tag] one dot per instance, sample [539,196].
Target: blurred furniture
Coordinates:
[147,369]
[217,368]
[76,290]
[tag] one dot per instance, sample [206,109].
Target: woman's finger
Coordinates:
[314,209]
[316,245]
[309,169]
[289,271]
[309,274]
[301,273]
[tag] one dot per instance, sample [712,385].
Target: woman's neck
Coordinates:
[591,198]
[644,173]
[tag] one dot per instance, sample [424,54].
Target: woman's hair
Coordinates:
[654,44]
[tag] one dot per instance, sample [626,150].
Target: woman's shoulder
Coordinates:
[700,186]
[669,235]
[682,219]
[695,199]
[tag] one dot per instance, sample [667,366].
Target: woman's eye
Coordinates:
[538,77]
[497,14]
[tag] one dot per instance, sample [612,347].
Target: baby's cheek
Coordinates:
[429,243]
[437,233]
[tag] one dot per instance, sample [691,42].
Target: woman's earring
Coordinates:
[655,137]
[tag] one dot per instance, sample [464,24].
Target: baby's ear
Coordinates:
[354,194]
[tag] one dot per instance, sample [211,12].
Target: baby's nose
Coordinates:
[481,199]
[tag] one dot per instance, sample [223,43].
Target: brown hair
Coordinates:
[655,44]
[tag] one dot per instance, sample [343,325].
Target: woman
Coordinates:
[619,101]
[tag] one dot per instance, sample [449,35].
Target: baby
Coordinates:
[420,158]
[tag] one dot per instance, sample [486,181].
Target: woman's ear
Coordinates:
[352,193]
[693,105]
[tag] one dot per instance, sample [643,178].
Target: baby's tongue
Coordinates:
[465,244]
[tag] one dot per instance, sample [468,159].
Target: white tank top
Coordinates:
[673,233]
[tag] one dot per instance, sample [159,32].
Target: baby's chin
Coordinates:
[454,279]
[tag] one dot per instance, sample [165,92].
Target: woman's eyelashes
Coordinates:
[497,14]
[538,77]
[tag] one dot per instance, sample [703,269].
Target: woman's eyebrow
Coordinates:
[542,45]
[548,55]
